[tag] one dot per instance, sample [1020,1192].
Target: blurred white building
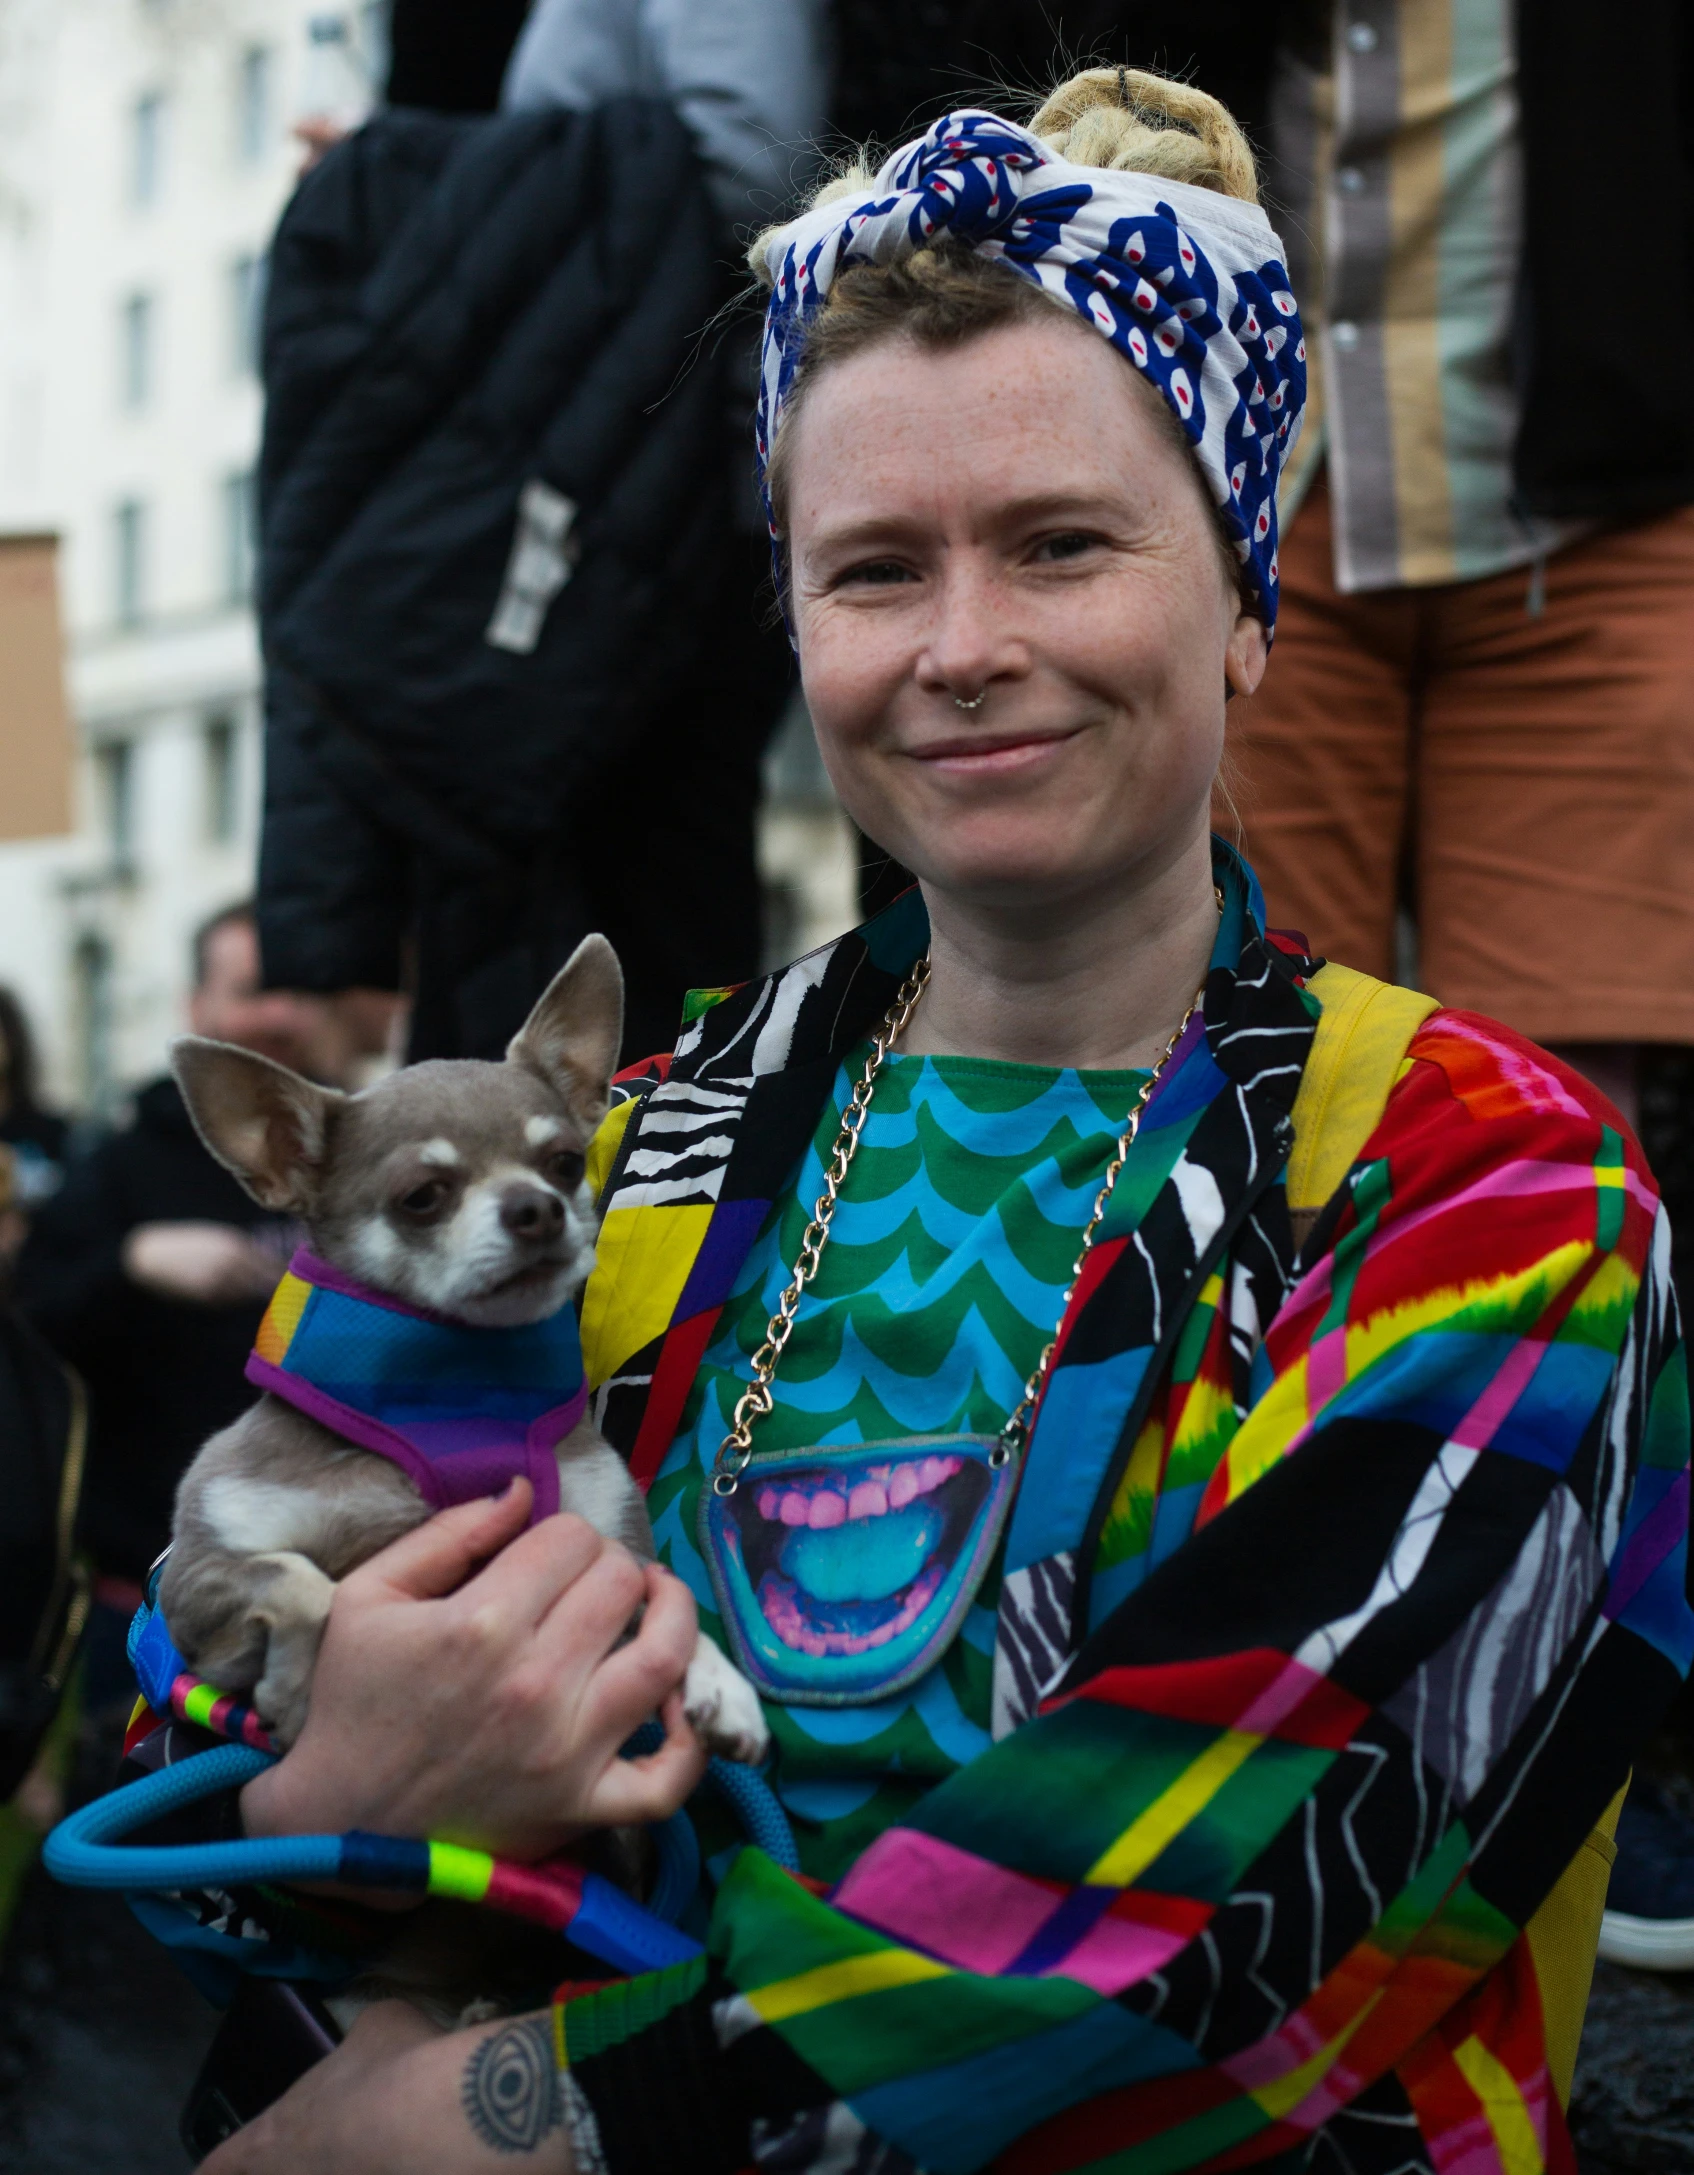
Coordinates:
[145,154]
[144,157]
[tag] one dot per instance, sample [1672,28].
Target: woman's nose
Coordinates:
[970,642]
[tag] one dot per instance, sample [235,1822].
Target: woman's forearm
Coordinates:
[510,2093]
[399,2094]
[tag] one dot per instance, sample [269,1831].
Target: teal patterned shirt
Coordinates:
[952,1246]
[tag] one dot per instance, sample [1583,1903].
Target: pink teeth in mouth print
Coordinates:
[868,1500]
[822,1504]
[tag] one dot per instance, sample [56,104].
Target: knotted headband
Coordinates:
[1186,283]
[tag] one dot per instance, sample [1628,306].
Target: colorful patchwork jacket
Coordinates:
[1342,1584]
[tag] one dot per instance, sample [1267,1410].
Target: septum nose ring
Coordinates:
[976,702]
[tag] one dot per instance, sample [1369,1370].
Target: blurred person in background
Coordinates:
[32,1139]
[553,533]
[1481,711]
[150,1268]
[1480,725]
[747,77]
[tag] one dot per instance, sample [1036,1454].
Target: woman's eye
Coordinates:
[877,574]
[424,1200]
[565,1170]
[1072,544]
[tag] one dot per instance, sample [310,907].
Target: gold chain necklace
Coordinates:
[736,1449]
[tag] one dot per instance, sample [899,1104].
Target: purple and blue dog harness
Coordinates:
[462,1411]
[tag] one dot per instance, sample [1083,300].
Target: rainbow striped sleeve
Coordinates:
[1262,1865]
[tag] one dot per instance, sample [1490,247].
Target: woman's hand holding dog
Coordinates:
[475,1683]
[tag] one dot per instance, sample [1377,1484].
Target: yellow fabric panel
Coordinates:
[608,1139]
[1563,1936]
[641,1263]
[1516,2145]
[282,1319]
[1357,1055]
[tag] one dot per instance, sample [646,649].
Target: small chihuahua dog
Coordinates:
[456,1187]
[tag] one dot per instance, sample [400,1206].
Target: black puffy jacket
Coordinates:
[458,309]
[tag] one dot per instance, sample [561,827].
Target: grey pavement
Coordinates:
[100,2039]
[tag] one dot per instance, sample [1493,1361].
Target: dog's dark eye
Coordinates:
[424,1200]
[565,1170]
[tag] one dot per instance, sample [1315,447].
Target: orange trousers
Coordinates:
[1522,781]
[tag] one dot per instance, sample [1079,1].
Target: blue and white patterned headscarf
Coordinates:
[1185,282]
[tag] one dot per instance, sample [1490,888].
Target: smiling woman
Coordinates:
[1190,1444]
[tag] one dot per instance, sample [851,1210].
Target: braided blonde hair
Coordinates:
[1139,123]
[1127,119]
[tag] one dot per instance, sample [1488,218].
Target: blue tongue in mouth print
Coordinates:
[842,1573]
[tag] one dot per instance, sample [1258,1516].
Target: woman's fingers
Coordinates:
[532,1573]
[631,1792]
[670,1631]
[592,1616]
[441,1554]
[481,1683]
[639,1675]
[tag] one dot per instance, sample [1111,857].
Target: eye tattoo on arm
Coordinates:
[510,2092]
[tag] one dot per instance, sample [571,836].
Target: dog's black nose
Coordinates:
[529,1213]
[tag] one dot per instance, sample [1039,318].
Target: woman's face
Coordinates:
[1009,518]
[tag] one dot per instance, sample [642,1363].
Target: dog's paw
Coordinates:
[723,1709]
[292,1610]
[280,1699]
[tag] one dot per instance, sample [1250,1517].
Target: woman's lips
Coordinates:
[988,755]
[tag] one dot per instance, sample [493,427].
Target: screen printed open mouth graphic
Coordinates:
[843,1572]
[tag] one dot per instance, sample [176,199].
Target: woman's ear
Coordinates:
[1245,656]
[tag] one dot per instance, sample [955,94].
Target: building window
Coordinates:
[147,147]
[129,561]
[91,977]
[374,39]
[253,104]
[135,351]
[114,774]
[223,809]
[238,527]
[246,312]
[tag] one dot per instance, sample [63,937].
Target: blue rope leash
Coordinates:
[588,1910]
[751,1798]
[83,1851]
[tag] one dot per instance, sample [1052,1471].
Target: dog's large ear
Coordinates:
[573,1036]
[261,1121]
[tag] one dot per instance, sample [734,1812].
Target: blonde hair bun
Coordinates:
[1126,118]
[1141,123]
